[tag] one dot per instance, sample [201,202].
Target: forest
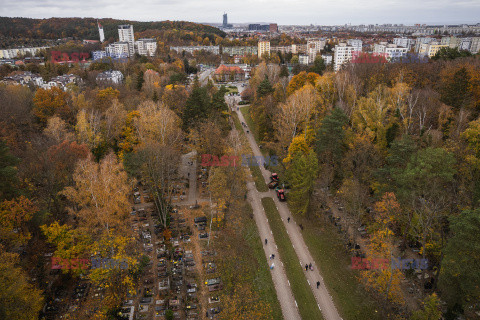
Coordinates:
[172,32]
[397,147]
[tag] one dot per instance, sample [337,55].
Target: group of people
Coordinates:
[308,266]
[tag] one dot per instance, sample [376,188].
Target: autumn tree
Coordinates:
[48,102]
[19,299]
[8,172]
[384,279]
[14,217]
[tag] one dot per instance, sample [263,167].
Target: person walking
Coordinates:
[318,284]
[272,266]
[288,219]
[266,241]
[273,256]
[310,266]
[306,267]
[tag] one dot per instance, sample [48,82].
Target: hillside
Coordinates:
[171,32]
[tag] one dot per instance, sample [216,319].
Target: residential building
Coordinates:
[430,49]
[125,34]
[234,51]
[390,51]
[226,73]
[356,43]
[146,47]
[303,59]
[281,49]
[118,50]
[24,78]
[343,54]
[404,42]
[15,52]
[475,45]
[273,28]
[62,81]
[263,48]
[314,47]
[99,55]
[111,76]
[451,42]
[192,49]
[465,44]
[327,59]
[420,41]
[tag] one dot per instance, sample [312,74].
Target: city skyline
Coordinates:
[248,11]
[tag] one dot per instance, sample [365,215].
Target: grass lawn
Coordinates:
[237,123]
[326,247]
[301,290]
[258,178]
[250,123]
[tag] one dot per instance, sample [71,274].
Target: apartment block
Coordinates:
[146,47]
[125,34]
[390,51]
[263,48]
[343,54]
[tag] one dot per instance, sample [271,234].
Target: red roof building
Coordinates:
[229,73]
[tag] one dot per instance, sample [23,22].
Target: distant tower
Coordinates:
[225,20]
[100,30]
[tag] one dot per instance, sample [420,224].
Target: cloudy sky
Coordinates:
[323,12]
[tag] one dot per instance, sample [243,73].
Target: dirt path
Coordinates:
[322,296]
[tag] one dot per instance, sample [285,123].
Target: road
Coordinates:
[322,296]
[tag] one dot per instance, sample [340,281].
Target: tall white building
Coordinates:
[146,47]
[100,31]
[343,54]
[404,42]
[125,34]
[390,51]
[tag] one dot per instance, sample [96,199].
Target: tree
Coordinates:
[14,217]
[48,102]
[284,71]
[302,173]
[382,280]
[294,115]
[100,194]
[140,81]
[264,88]
[318,65]
[450,54]
[18,299]
[459,279]
[330,142]
[432,309]
[57,130]
[196,107]
[8,172]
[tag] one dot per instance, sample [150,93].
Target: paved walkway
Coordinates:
[324,300]
[279,276]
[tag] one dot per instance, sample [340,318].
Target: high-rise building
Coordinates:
[263,48]
[225,20]
[273,27]
[125,34]
[100,31]
[392,52]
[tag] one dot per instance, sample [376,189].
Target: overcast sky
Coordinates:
[322,12]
